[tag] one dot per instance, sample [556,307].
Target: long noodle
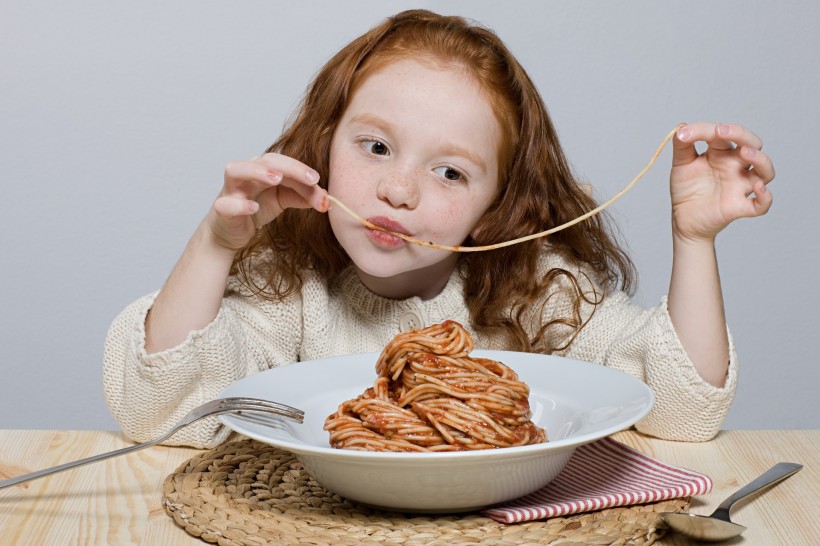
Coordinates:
[544,233]
[430,395]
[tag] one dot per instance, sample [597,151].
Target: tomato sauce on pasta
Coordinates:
[431,396]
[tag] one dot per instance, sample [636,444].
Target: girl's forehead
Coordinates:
[418,81]
[424,89]
[394,65]
[413,71]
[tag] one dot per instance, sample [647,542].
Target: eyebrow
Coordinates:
[368,119]
[448,148]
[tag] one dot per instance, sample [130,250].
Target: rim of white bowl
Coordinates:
[501,453]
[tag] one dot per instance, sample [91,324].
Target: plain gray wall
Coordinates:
[118,118]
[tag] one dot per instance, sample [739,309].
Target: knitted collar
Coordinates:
[448,304]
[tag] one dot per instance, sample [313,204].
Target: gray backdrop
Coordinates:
[116,120]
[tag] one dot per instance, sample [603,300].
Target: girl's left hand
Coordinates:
[712,189]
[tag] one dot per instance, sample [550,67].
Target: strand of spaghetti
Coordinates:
[538,235]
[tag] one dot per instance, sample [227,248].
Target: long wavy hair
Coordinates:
[538,190]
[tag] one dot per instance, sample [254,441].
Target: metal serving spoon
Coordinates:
[718,526]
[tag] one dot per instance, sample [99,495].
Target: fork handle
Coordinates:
[81,462]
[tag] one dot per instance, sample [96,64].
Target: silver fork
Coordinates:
[252,409]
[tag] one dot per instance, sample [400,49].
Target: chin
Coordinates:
[428,262]
[385,269]
[386,263]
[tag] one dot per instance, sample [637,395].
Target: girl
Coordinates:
[427,125]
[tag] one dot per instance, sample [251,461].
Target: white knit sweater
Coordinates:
[147,394]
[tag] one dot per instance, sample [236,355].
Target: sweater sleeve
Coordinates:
[148,393]
[643,343]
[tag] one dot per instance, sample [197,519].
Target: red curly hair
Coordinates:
[537,188]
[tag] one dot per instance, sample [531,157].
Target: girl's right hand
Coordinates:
[255,192]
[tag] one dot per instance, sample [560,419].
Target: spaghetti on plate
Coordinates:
[430,395]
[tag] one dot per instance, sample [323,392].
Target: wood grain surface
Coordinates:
[118,501]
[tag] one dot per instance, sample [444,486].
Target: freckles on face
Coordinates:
[416,147]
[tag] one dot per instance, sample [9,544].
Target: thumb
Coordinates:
[683,146]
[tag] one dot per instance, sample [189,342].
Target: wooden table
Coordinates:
[118,501]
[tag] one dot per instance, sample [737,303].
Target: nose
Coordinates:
[400,188]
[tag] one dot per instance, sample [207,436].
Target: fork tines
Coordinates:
[261,409]
[267,419]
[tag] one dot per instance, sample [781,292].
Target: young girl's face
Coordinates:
[416,152]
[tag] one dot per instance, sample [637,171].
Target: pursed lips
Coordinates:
[387,223]
[386,238]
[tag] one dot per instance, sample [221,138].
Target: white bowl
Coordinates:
[575,402]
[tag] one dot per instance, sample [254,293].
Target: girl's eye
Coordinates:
[449,173]
[375,147]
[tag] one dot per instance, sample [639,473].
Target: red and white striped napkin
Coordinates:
[599,475]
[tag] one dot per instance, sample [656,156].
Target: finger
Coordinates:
[759,162]
[300,196]
[683,147]
[725,136]
[762,200]
[754,205]
[708,133]
[272,204]
[230,206]
[739,135]
[249,178]
[290,168]
[290,196]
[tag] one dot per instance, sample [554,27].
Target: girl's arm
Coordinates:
[254,193]
[709,191]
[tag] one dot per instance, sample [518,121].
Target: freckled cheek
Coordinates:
[350,177]
[451,223]
[455,210]
[340,178]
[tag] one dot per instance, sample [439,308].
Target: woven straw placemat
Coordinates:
[245,493]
